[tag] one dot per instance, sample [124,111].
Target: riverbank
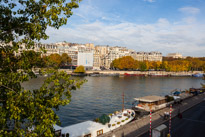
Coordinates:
[136,73]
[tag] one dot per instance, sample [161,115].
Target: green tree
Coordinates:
[80,69]
[30,112]
[65,59]
[142,65]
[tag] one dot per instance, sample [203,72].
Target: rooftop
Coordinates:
[150,98]
[82,128]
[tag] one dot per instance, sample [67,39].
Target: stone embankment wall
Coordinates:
[189,73]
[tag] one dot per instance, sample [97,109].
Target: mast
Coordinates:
[123,101]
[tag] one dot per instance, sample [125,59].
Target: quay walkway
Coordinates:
[145,73]
[139,127]
[191,124]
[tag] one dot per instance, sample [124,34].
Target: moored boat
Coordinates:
[198,75]
[148,103]
[93,128]
[95,74]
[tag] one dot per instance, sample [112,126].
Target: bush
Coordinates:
[104,119]
[126,119]
[123,121]
[80,69]
[113,125]
[118,123]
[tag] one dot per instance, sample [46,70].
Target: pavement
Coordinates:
[141,127]
[192,123]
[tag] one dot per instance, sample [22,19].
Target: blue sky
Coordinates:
[143,25]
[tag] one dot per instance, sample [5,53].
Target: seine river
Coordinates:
[104,94]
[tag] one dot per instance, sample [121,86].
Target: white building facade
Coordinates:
[86,59]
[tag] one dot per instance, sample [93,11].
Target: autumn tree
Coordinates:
[115,64]
[168,64]
[65,59]
[136,65]
[165,66]
[187,64]
[26,112]
[54,60]
[126,63]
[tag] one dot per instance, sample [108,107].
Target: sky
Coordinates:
[167,26]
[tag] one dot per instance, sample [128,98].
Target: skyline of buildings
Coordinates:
[96,57]
[70,44]
[99,56]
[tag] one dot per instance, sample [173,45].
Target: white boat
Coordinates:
[93,129]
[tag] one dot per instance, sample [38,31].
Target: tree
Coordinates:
[65,59]
[80,69]
[165,65]
[55,60]
[142,66]
[30,112]
[126,62]
[136,65]
[115,64]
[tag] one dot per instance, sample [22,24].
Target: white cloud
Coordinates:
[163,36]
[150,0]
[190,10]
[185,36]
[189,20]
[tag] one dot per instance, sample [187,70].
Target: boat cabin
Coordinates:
[150,102]
[84,129]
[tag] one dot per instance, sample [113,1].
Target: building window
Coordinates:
[88,135]
[99,132]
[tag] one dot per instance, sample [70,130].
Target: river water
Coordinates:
[103,95]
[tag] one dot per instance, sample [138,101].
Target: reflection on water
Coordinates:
[104,94]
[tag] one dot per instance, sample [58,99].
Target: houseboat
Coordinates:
[93,128]
[148,103]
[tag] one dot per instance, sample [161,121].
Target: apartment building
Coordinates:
[96,59]
[149,56]
[112,54]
